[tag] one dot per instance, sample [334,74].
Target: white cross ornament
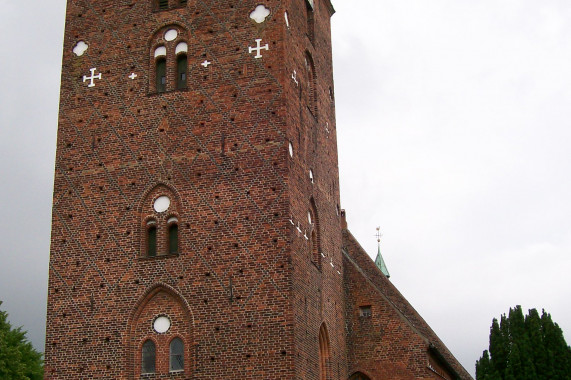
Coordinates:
[258,49]
[206,63]
[133,76]
[294,77]
[92,78]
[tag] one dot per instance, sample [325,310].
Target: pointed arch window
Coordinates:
[176,355]
[172,225]
[310,20]
[149,357]
[315,238]
[311,84]
[324,353]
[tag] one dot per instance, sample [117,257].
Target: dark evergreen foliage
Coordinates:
[18,359]
[525,348]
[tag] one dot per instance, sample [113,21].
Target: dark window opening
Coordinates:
[359,376]
[314,246]
[151,241]
[176,355]
[173,238]
[182,2]
[310,21]
[161,70]
[181,69]
[163,5]
[149,357]
[365,311]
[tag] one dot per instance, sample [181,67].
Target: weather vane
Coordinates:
[378,235]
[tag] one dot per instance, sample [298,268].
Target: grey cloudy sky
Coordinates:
[454,127]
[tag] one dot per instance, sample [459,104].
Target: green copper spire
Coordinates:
[379,262]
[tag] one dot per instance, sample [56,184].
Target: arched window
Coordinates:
[160,222]
[315,239]
[310,20]
[151,238]
[323,353]
[172,224]
[170,60]
[148,357]
[311,84]
[359,376]
[161,74]
[176,355]
[181,69]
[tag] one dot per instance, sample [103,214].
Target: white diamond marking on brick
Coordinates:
[258,49]
[92,78]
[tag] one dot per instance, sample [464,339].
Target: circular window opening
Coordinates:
[171,35]
[161,324]
[162,204]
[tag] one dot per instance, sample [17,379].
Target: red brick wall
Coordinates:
[220,149]
[317,285]
[394,342]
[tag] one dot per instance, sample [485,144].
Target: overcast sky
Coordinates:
[454,128]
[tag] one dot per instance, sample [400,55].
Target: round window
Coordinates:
[161,324]
[162,204]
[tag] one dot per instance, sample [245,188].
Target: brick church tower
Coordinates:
[196,228]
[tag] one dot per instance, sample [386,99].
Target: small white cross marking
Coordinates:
[294,77]
[91,78]
[258,49]
[206,63]
[133,76]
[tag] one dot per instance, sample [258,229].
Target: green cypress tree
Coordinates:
[539,354]
[485,369]
[557,349]
[525,348]
[498,346]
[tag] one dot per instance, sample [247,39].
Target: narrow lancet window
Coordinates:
[181,68]
[161,74]
[173,236]
[148,357]
[163,5]
[151,239]
[176,355]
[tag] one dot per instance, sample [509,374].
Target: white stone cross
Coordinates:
[206,63]
[92,78]
[258,48]
[133,76]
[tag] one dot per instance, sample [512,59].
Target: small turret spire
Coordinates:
[379,262]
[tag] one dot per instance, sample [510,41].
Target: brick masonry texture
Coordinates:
[255,289]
